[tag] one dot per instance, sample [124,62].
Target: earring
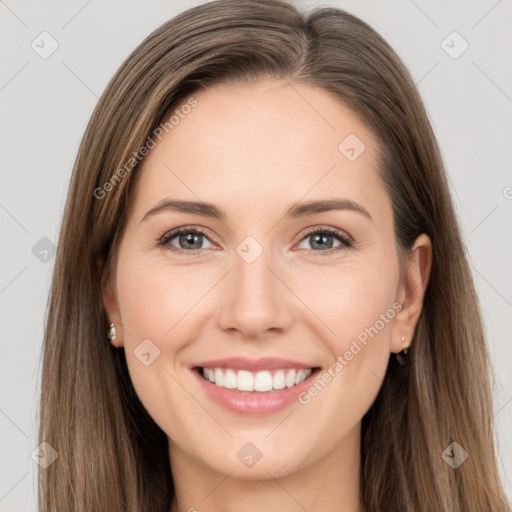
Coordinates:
[400,355]
[405,348]
[112,334]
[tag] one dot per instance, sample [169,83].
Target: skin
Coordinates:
[255,150]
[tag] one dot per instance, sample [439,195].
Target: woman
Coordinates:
[261,295]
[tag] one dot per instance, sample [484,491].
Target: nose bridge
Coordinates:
[254,284]
[252,275]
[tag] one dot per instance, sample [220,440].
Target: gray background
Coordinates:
[46,104]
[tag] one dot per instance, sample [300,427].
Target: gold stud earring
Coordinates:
[403,342]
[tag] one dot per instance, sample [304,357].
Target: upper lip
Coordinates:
[255,365]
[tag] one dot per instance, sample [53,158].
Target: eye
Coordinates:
[187,240]
[322,239]
[191,240]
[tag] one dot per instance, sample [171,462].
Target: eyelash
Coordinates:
[346,242]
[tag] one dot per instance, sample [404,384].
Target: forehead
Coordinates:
[248,147]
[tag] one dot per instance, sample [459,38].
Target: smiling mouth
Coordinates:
[261,381]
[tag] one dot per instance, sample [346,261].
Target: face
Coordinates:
[267,289]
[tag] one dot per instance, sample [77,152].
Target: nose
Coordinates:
[255,300]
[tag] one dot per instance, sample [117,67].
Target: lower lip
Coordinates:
[254,403]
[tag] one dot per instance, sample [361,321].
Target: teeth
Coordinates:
[219,377]
[257,381]
[263,381]
[290,379]
[230,379]
[278,381]
[245,381]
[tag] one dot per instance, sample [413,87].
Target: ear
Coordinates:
[411,292]
[110,304]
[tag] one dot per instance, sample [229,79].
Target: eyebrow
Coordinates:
[297,210]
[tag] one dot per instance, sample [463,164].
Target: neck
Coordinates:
[329,482]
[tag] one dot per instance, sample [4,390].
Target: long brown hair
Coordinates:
[112,455]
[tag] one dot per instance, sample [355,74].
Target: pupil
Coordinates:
[189,238]
[322,240]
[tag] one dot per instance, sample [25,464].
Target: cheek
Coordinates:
[155,299]
[366,315]
[359,311]
[351,302]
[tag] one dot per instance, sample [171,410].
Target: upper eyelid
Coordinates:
[168,235]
